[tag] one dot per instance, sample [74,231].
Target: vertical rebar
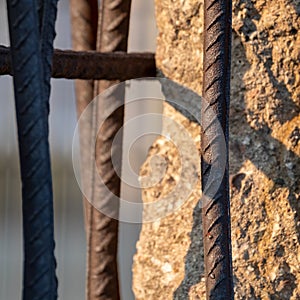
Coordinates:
[102,279]
[84,19]
[215,111]
[32,88]
[47,13]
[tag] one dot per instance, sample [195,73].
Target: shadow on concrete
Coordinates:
[273,163]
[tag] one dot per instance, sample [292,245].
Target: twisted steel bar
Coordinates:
[29,86]
[102,277]
[93,65]
[215,110]
[47,14]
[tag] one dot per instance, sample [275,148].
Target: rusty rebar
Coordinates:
[84,18]
[215,111]
[102,279]
[92,65]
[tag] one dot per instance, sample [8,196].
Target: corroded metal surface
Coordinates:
[113,25]
[215,110]
[93,65]
[102,280]
[84,19]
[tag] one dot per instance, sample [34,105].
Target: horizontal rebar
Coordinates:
[92,65]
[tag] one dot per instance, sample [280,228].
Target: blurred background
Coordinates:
[69,229]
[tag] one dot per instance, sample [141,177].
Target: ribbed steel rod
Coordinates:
[92,65]
[215,110]
[47,13]
[39,281]
[102,280]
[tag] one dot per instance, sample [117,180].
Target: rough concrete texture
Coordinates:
[163,256]
[264,156]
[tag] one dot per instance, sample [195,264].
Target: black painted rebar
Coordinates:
[48,13]
[32,120]
[214,117]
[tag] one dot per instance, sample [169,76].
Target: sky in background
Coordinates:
[70,238]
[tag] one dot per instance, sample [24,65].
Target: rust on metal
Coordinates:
[102,279]
[93,65]
[84,20]
[216,94]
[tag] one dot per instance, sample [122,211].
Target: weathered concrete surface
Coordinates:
[264,156]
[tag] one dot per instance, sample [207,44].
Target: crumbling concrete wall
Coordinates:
[264,156]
